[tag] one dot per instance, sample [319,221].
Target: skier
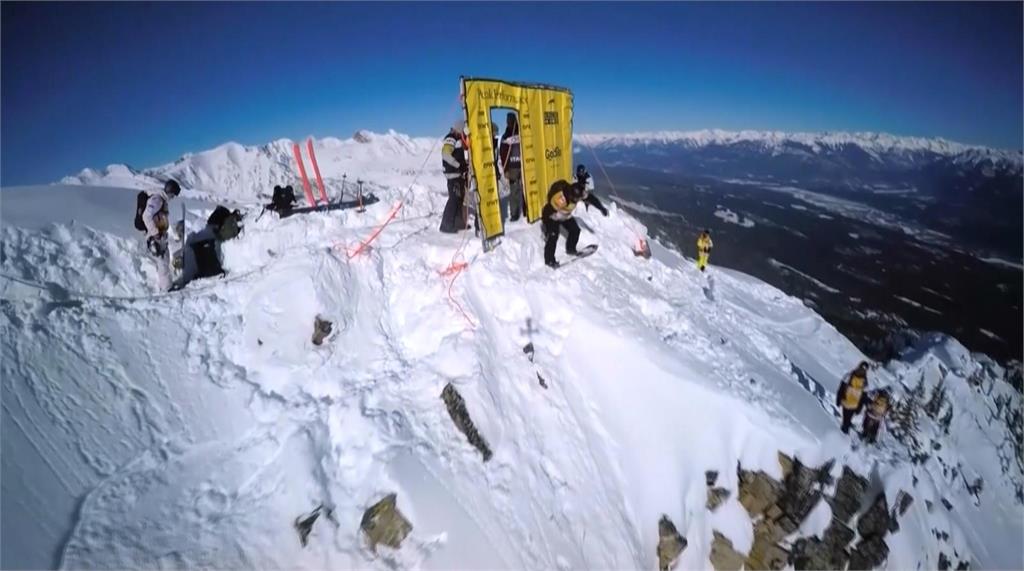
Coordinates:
[874,415]
[154,217]
[557,214]
[704,245]
[510,155]
[456,170]
[852,394]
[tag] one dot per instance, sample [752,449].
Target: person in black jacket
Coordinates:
[456,171]
[510,157]
[557,214]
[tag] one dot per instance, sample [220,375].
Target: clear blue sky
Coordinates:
[93,84]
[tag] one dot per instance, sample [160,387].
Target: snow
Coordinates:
[1002,262]
[918,305]
[791,269]
[733,218]
[191,429]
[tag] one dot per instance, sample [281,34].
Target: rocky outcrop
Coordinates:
[715,496]
[778,508]
[723,556]
[321,329]
[670,543]
[847,498]
[460,416]
[384,524]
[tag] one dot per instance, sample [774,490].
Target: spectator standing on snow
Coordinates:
[510,155]
[154,219]
[456,171]
[852,393]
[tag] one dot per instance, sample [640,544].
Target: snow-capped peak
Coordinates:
[875,144]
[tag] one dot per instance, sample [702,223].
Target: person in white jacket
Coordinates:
[156,218]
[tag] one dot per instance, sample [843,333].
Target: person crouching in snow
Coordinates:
[852,394]
[874,415]
[155,218]
[704,245]
[557,214]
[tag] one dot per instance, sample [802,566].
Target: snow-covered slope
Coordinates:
[880,146]
[192,429]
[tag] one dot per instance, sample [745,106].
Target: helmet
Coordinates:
[172,188]
[459,124]
[581,170]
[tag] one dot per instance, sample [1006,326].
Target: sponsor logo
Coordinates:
[550,117]
[554,153]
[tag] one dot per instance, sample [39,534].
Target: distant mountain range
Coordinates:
[875,151]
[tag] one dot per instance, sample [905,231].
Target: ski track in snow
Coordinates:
[191,429]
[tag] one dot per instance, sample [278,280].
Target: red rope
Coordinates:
[373,236]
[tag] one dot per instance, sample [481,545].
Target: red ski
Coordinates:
[316,171]
[302,173]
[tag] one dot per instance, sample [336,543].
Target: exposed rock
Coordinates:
[875,521]
[758,491]
[800,491]
[765,554]
[944,562]
[947,505]
[460,416]
[670,543]
[904,501]
[716,497]
[321,329]
[813,553]
[928,505]
[723,556]
[787,465]
[838,535]
[769,530]
[304,525]
[869,553]
[711,477]
[849,490]
[384,524]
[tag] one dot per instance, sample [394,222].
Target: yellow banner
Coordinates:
[545,130]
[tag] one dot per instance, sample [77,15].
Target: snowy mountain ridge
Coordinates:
[878,145]
[193,429]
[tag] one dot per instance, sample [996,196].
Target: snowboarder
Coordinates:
[704,245]
[874,415]
[154,217]
[456,170]
[557,214]
[852,393]
[510,155]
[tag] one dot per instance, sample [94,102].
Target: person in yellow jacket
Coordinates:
[852,394]
[704,245]
[874,415]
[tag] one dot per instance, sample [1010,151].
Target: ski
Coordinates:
[582,253]
[316,170]
[302,174]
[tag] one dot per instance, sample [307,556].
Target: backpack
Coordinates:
[226,223]
[207,262]
[140,207]
[283,199]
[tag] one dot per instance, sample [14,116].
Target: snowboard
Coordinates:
[583,252]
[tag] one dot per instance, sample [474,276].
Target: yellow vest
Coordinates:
[854,390]
[563,207]
[704,244]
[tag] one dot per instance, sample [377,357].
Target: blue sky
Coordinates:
[92,84]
